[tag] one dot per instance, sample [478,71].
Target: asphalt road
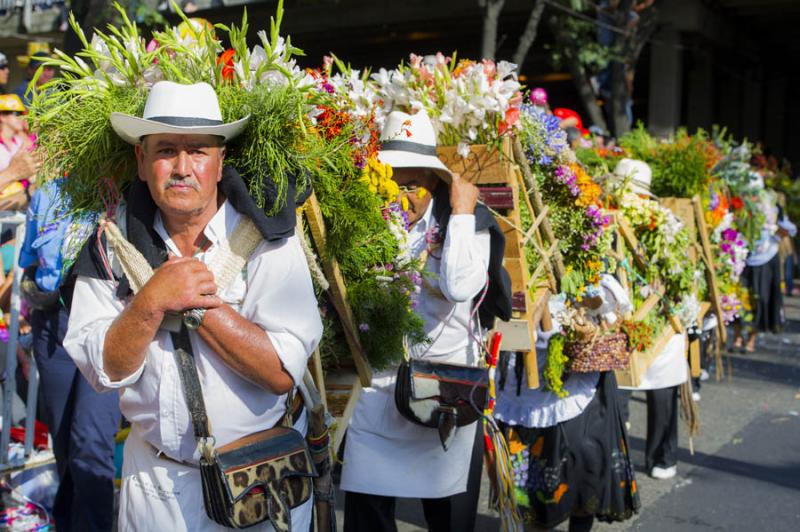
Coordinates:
[744,474]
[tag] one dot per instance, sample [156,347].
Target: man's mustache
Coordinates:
[185,182]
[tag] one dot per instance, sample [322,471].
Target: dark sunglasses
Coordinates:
[3,67]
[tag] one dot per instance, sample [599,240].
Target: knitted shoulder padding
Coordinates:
[227,264]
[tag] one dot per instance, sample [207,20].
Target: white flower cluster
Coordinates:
[688,310]
[467,104]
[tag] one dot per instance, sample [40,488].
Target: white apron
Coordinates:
[387,455]
[668,369]
[159,494]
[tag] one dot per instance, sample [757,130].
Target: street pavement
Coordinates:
[744,474]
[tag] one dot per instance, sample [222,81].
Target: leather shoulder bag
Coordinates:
[440,396]
[256,478]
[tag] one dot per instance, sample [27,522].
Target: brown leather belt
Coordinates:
[295,412]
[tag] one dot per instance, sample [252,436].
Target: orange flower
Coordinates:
[562,489]
[226,60]
[536,448]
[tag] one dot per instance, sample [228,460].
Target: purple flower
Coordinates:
[714,203]
[730,234]
[363,327]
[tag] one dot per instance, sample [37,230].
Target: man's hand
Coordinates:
[24,165]
[463,196]
[178,285]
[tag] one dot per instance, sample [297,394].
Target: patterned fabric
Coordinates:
[579,467]
[52,239]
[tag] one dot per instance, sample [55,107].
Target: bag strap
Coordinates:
[190,382]
[193,394]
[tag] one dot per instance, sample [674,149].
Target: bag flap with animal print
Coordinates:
[259,465]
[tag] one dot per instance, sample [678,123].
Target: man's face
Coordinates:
[47,74]
[417,185]
[181,171]
[4,71]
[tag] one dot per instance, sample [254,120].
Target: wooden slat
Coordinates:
[483,165]
[630,238]
[716,299]
[342,422]
[648,305]
[337,291]
[319,376]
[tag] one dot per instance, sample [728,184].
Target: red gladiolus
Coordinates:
[226,60]
[737,203]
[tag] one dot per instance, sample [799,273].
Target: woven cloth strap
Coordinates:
[227,264]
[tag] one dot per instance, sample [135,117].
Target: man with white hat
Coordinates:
[246,342]
[386,455]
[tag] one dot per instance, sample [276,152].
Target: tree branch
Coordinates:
[491,17]
[528,36]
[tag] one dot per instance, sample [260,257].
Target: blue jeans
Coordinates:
[83,424]
[789,274]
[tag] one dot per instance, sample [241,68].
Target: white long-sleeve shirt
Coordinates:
[385,453]
[273,292]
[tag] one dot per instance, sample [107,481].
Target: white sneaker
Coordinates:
[703,375]
[696,397]
[663,473]
[628,426]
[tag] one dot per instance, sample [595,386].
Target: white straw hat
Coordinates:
[177,108]
[639,173]
[409,141]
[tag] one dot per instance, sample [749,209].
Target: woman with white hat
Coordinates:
[386,455]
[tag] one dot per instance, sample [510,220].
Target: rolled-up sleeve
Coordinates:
[89,322]
[465,259]
[280,299]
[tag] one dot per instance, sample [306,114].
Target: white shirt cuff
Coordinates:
[106,381]
[292,354]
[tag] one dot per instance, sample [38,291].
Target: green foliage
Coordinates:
[579,38]
[384,317]
[556,365]
[679,167]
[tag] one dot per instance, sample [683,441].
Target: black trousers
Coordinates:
[661,449]
[364,512]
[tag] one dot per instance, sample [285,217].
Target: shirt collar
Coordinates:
[219,227]
[425,222]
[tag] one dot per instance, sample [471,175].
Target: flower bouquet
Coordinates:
[299,129]
[573,200]
[474,107]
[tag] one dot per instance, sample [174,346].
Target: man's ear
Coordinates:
[139,151]
[222,152]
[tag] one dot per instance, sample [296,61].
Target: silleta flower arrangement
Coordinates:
[304,126]
[573,201]
[469,102]
[665,244]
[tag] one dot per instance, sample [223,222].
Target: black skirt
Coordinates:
[579,467]
[764,283]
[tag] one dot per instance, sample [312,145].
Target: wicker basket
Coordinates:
[607,352]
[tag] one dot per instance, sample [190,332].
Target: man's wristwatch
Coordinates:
[193,318]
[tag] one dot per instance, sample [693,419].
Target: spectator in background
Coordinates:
[4,71]
[38,53]
[17,163]
[81,421]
